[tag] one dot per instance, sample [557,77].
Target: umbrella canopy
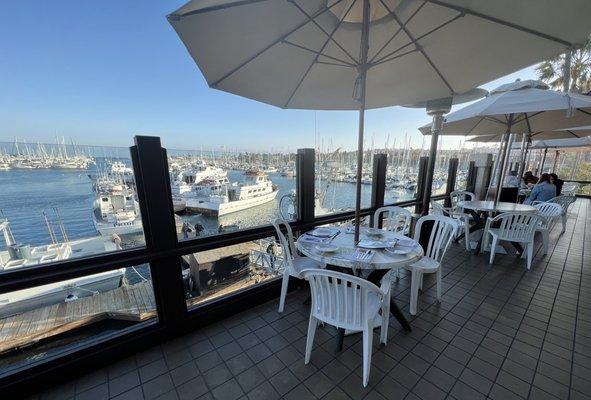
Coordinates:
[306,53]
[573,143]
[358,54]
[534,110]
[545,135]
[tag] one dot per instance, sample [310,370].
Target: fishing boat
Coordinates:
[215,199]
[116,211]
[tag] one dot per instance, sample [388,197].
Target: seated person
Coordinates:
[511,180]
[557,182]
[529,178]
[544,190]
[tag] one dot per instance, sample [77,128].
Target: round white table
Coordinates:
[379,264]
[480,210]
[489,206]
[381,259]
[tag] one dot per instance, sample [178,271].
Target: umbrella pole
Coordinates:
[362,68]
[503,160]
[555,166]
[524,146]
[543,161]
[428,183]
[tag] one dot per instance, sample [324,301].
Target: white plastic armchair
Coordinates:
[394,219]
[293,263]
[513,227]
[565,201]
[443,231]
[348,302]
[462,220]
[460,195]
[549,212]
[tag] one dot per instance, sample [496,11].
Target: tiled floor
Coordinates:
[500,332]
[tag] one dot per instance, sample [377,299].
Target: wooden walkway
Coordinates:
[130,303]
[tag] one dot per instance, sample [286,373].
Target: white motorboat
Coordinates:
[216,199]
[21,256]
[117,212]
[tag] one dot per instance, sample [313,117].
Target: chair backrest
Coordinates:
[396,219]
[443,231]
[439,209]
[340,299]
[287,244]
[548,210]
[516,226]
[460,195]
[565,201]
[570,188]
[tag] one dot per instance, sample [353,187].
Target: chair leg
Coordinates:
[414,290]
[310,339]
[493,249]
[546,240]
[530,253]
[367,347]
[439,284]
[467,236]
[385,321]
[564,218]
[284,284]
[421,282]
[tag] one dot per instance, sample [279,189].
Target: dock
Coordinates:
[129,303]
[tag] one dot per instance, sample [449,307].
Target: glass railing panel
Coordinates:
[60,202]
[213,274]
[43,322]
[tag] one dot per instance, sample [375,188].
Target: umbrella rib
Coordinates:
[527,122]
[583,111]
[418,46]
[319,53]
[475,125]
[394,57]
[279,40]
[501,22]
[420,37]
[313,20]
[214,8]
[397,32]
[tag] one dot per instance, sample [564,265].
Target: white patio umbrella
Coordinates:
[574,143]
[522,107]
[359,54]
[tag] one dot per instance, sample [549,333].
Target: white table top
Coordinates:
[478,205]
[381,259]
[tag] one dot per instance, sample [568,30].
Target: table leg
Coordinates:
[478,224]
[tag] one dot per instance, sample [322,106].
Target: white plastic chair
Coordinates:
[460,195]
[443,231]
[513,227]
[347,302]
[565,201]
[549,211]
[293,263]
[396,219]
[461,219]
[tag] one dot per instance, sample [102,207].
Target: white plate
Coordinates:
[400,251]
[322,232]
[374,232]
[373,244]
[326,248]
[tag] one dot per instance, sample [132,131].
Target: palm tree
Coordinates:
[552,71]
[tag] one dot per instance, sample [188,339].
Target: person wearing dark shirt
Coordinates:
[557,182]
[529,178]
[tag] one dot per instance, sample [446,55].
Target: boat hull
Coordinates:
[223,208]
[29,299]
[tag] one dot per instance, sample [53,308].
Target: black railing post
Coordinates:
[471,177]
[452,173]
[378,184]
[305,192]
[421,177]
[150,166]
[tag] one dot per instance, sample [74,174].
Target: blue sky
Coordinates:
[101,72]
